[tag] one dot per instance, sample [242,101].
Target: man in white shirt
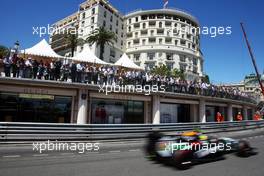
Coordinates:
[79,72]
[28,68]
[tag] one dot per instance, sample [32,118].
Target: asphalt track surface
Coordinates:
[120,159]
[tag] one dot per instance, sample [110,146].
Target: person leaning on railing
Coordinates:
[20,68]
[239,117]
[219,117]
[46,70]
[57,73]
[52,69]
[14,65]
[35,66]
[91,74]
[40,71]
[65,72]
[257,116]
[1,65]
[7,65]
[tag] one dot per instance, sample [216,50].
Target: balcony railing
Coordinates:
[177,88]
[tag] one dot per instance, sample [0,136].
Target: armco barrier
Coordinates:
[10,131]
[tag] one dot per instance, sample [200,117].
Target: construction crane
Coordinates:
[253,59]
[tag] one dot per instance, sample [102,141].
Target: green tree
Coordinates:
[162,70]
[101,37]
[3,51]
[178,73]
[73,41]
[206,79]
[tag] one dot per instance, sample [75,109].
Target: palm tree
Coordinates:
[3,51]
[73,41]
[101,37]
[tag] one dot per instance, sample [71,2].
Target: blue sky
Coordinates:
[226,57]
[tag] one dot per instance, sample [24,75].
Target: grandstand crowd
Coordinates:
[61,70]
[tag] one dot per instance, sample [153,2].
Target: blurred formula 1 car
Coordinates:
[193,147]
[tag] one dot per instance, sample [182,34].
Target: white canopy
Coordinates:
[88,56]
[124,61]
[41,49]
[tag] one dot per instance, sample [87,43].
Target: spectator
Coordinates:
[94,74]
[219,117]
[88,71]
[239,117]
[65,71]
[41,70]
[79,72]
[257,116]
[57,69]
[52,70]
[73,71]
[28,68]
[14,65]
[7,65]
[85,73]
[111,75]
[21,68]
[46,70]
[35,66]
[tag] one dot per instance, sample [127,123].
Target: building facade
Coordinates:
[99,13]
[61,102]
[250,85]
[159,37]
[57,39]
[149,37]
[93,14]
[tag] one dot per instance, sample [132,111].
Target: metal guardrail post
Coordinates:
[3,135]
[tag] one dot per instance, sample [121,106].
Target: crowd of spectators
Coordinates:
[62,70]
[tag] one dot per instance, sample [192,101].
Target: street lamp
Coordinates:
[16,46]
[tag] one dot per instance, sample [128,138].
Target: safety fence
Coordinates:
[11,131]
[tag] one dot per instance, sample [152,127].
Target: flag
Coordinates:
[166,2]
